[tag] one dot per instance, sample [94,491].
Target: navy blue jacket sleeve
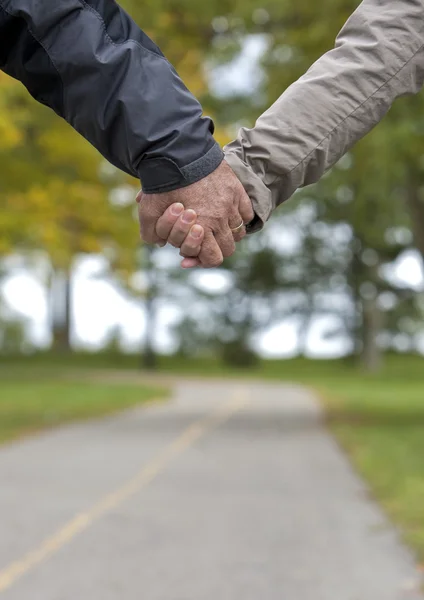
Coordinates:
[89,61]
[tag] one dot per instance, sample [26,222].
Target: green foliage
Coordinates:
[238,354]
[374,191]
[55,192]
[52,196]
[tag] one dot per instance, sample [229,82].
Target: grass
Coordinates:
[379,419]
[381,425]
[30,401]
[298,369]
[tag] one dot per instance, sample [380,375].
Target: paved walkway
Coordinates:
[228,493]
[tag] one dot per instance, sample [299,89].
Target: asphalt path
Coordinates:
[228,492]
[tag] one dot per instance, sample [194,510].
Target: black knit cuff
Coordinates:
[160,175]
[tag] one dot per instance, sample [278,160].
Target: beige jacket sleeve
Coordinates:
[378,56]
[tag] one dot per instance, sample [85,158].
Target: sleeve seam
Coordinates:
[118,44]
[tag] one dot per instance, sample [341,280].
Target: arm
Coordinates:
[90,62]
[379,56]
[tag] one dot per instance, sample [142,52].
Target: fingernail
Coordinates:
[197,231]
[177,209]
[188,217]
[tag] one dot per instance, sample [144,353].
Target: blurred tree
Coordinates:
[151,294]
[372,187]
[367,192]
[56,190]
[13,338]
[55,187]
[363,193]
[261,289]
[55,197]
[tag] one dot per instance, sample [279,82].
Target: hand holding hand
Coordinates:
[220,203]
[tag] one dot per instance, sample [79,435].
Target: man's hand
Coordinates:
[220,203]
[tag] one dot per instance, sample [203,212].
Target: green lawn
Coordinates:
[30,403]
[380,423]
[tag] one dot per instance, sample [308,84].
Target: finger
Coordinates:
[190,263]
[237,232]
[148,215]
[182,228]
[193,242]
[246,209]
[138,197]
[225,240]
[210,254]
[167,221]
[239,235]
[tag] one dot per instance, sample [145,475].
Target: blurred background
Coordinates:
[331,293]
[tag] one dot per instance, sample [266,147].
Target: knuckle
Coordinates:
[228,252]
[149,239]
[228,246]
[215,262]
[211,260]
[180,229]
[167,220]
[160,229]
[187,253]
[191,248]
[178,241]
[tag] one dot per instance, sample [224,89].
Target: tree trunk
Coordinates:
[356,325]
[302,336]
[149,359]
[371,325]
[61,308]
[416,209]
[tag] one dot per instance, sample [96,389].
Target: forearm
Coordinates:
[92,64]
[378,57]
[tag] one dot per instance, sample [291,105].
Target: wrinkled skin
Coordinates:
[199,218]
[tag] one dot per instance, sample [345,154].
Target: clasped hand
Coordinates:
[203,219]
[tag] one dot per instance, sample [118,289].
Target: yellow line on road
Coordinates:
[10,574]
